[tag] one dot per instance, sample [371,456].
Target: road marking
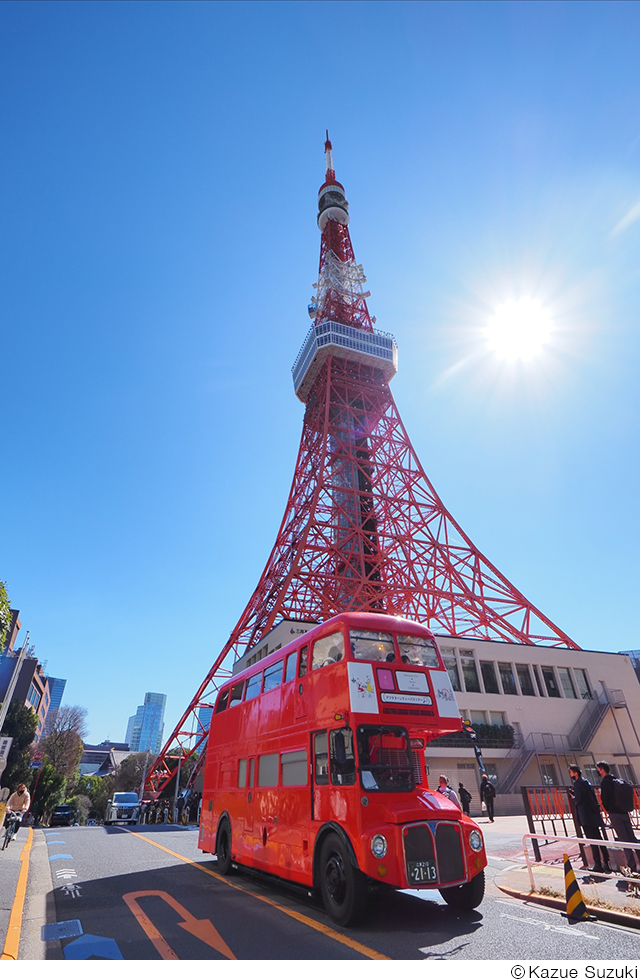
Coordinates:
[86,946]
[548,927]
[12,942]
[60,857]
[201,928]
[371,954]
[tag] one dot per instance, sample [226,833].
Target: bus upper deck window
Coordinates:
[303,661]
[236,694]
[254,686]
[418,650]
[273,676]
[290,669]
[367,645]
[223,700]
[328,650]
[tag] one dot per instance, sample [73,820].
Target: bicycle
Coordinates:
[12,821]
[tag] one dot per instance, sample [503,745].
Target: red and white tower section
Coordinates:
[363,528]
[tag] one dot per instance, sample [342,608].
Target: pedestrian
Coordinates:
[487,795]
[445,789]
[19,802]
[589,817]
[618,813]
[465,798]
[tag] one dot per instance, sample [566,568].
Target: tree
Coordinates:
[63,746]
[49,792]
[82,806]
[128,775]
[99,790]
[5,614]
[20,724]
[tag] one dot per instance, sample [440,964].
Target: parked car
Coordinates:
[123,808]
[63,816]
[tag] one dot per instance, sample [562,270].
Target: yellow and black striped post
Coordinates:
[576,909]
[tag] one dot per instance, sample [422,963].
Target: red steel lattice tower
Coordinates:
[363,527]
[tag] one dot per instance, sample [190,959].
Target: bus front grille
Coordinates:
[433,854]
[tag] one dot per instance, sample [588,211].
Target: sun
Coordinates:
[519,329]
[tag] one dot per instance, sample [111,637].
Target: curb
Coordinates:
[606,915]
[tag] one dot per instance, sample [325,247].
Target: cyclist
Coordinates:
[19,802]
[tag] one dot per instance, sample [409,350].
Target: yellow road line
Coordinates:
[12,942]
[371,954]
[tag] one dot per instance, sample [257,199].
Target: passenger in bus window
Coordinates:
[303,662]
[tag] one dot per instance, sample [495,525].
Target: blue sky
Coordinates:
[159,178]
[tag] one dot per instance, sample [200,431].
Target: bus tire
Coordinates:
[465,897]
[343,887]
[223,848]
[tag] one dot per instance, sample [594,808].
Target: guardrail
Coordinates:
[618,845]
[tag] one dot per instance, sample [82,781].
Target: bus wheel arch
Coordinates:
[223,845]
[344,888]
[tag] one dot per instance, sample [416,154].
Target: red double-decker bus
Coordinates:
[315,767]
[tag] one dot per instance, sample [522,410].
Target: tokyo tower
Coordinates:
[363,528]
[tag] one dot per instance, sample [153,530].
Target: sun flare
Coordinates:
[519,329]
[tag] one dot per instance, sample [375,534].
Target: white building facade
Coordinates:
[536,710]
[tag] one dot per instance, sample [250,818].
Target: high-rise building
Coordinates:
[56,690]
[146,727]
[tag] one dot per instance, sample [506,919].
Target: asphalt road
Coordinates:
[148,893]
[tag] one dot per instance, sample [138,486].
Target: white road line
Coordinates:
[549,928]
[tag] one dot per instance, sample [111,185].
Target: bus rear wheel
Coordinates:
[223,849]
[343,887]
[465,897]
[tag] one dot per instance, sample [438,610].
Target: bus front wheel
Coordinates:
[343,887]
[223,849]
[465,897]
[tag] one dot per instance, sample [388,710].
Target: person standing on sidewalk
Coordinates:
[619,818]
[487,795]
[445,789]
[465,798]
[589,817]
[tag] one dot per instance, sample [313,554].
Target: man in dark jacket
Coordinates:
[589,817]
[620,819]
[487,795]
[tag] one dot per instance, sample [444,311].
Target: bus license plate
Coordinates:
[421,872]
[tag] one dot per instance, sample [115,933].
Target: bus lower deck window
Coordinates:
[273,676]
[254,686]
[290,669]
[321,759]
[222,700]
[385,759]
[343,760]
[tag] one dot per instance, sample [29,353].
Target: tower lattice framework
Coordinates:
[363,527]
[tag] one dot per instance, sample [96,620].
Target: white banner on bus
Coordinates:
[362,690]
[445,697]
[406,698]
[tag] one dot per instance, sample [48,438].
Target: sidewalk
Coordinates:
[611,899]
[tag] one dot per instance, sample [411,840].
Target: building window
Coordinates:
[583,683]
[469,672]
[34,697]
[477,718]
[489,679]
[526,684]
[507,678]
[567,684]
[547,769]
[539,685]
[550,680]
[497,718]
[452,670]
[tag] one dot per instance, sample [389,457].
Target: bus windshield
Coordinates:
[384,759]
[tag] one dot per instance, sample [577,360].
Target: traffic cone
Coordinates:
[576,909]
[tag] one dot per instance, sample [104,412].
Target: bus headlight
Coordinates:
[378,845]
[475,840]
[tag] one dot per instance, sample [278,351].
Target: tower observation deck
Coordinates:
[363,528]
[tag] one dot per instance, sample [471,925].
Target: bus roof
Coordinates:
[377,622]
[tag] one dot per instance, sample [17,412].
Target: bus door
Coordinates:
[320,789]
